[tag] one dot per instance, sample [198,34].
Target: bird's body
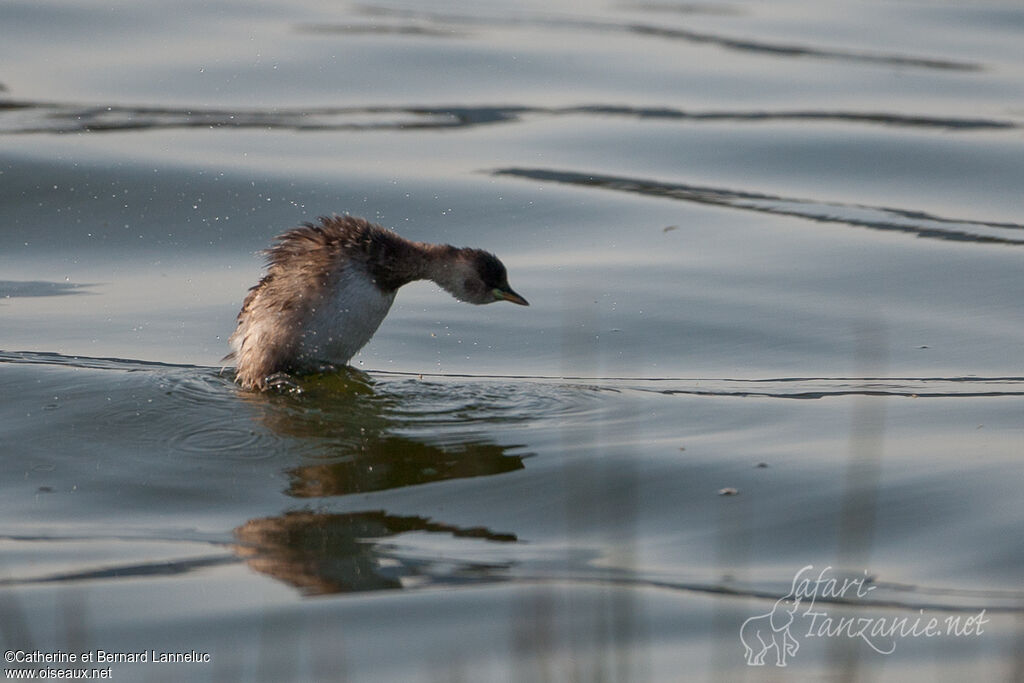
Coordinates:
[329,286]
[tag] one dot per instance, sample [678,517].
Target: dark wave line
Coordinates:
[730,591]
[910,387]
[15,289]
[814,395]
[695,37]
[143,535]
[91,362]
[919,223]
[19,117]
[883,118]
[70,118]
[975,599]
[907,387]
[148,569]
[784,50]
[685,8]
[177,568]
[762,380]
[380,29]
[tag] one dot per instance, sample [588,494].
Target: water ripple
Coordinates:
[188,409]
[25,117]
[791,50]
[886,595]
[10,289]
[122,572]
[405,398]
[764,47]
[214,425]
[916,222]
[780,387]
[380,29]
[87,362]
[685,8]
[816,388]
[454,401]
[219,439]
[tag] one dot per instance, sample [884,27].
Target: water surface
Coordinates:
[772,255]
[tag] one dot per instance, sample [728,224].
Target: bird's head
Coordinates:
[478,277]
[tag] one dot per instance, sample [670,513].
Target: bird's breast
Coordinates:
[345,318]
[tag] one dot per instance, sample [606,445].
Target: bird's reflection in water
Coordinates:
[345,430]
[390,462]
[322,553]
[322,412]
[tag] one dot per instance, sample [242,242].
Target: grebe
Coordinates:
[330,284]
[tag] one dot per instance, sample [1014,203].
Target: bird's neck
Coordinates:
[398,262]
[439,264]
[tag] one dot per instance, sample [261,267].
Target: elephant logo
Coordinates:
[766,631]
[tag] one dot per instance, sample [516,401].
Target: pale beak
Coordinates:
[509,295]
